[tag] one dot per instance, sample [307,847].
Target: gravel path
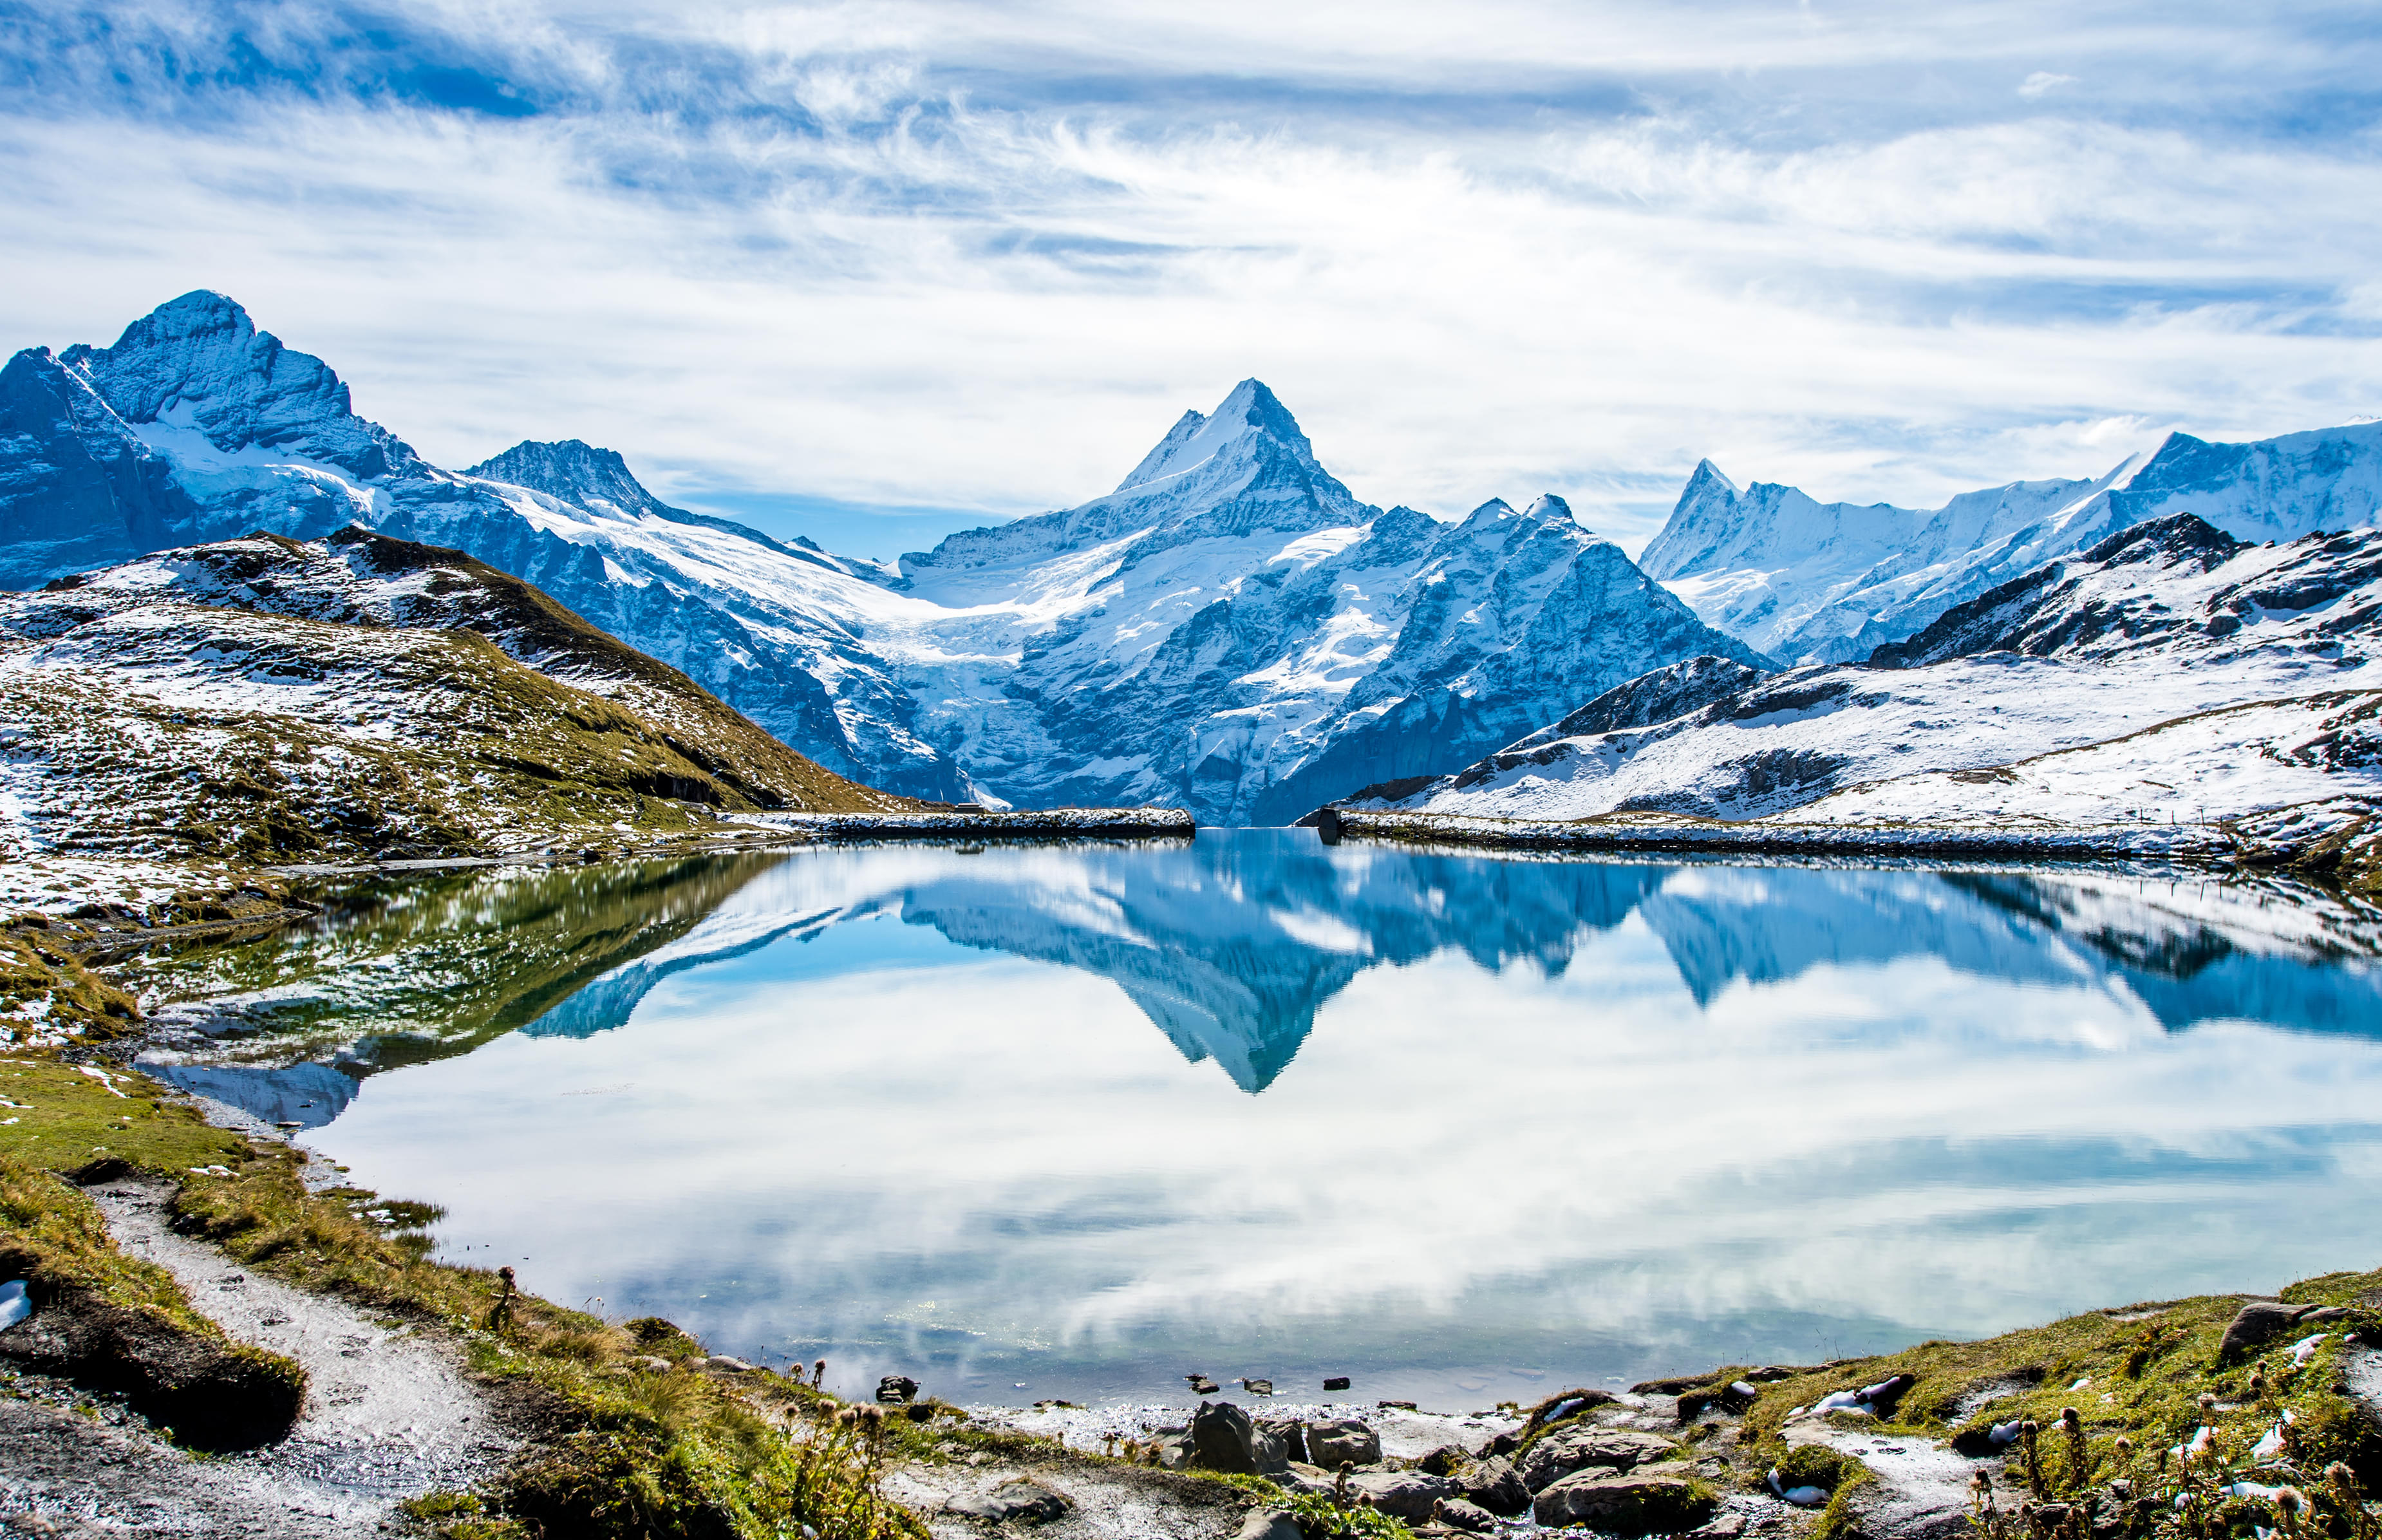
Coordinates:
[389,1416]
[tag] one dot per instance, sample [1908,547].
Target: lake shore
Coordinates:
[2328,844]
[164,1197]
[550,1416]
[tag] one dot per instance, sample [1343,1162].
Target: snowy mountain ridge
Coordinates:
[2170,671]
[1807,581]
[1229,631]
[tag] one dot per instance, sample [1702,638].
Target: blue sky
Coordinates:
[871,271]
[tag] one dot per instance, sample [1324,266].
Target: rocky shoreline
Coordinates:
[2222,1414]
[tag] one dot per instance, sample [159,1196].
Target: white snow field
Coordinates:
[2170,675]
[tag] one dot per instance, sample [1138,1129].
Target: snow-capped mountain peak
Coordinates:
[576,471]
[1195,438]
[197,365]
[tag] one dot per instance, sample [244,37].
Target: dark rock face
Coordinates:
[1221,1438]
[897,1390]
[1407,1494]
[215,1395]
[1568,1449]
[1652,698]
[1619,1503]
[1460,1514]
[1291,1436]
[1494,1485]
[2255,1325]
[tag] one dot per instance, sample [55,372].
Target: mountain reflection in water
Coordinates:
[1495,1117]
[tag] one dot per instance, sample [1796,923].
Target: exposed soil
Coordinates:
[389,1414]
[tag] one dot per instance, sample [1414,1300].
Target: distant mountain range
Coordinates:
[1813,582]
[1229,630]
[2170,674]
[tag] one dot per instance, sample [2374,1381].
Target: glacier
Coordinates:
[1230,630]
[1811,582]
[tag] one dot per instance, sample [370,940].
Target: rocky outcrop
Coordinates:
[2262,1321]
[1407,1494]
[1341,1440]
[1570,1448]
[1624,1503]
[1223,1437]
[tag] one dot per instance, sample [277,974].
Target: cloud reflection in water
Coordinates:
[1477,1120]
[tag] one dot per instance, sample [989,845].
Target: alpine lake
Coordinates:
[1074,1121]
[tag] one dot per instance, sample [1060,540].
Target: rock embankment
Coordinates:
[1053,823]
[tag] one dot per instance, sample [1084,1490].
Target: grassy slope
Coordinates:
[529,624]
[637,1451]
[421,744]
[2135,1374]
[239,713]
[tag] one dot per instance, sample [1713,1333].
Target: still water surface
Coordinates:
[1077,1120]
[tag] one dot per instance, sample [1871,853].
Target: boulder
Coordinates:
[1293,1437]
[1456,1513]
[1224,1438]
[1174,1451]
[1445,1460]
[1494,1485]
[1270,1523]
[1329,1443]
[1402,1494]
[1013,1502]
[1623,1502]
[1569,1449]
[897,1389]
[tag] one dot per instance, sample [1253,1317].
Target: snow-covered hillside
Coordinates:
[267,700]
[2120,684]
[1229,631]
[1806,580]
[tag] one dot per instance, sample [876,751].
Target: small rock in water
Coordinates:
[1394,1406]
[897,1389]
[1337,1382]
[1258,1387]
[1201,1384]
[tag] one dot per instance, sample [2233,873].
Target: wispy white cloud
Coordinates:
[961,258]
